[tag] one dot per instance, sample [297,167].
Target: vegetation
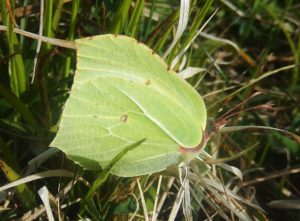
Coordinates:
[241,56]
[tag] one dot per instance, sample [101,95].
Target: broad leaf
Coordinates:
[124,92]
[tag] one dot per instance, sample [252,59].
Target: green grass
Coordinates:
[264,37]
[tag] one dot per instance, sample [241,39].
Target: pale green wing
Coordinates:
[122,93]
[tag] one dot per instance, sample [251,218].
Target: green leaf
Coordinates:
[123,92]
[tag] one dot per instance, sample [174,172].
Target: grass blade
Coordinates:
[24,193]
[16,65]
[20,107]
[119,17]
[135,18]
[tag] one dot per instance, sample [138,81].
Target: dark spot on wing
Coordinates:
[147,82]
[124,118]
